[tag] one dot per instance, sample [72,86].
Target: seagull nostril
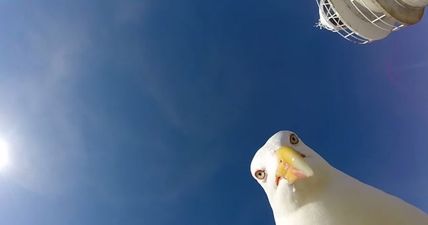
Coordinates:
[301,154]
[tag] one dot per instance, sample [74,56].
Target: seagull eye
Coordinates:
[294,139]
[260,174]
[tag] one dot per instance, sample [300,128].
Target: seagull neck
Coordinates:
[289,199]
[285,203]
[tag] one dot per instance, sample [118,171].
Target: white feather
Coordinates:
[330,197]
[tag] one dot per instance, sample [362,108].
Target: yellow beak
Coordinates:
[291,166]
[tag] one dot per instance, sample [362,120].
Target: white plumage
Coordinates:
[303,189]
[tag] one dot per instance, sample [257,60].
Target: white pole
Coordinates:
[416,3]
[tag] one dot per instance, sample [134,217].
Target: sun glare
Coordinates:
[4,154]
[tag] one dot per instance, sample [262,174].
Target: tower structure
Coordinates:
[364,21]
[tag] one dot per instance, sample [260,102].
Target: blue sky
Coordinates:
[149,112]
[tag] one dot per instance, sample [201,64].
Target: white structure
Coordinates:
[363,21]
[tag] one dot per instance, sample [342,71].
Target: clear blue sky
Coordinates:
[149,112]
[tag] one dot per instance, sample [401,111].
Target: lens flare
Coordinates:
[4,154]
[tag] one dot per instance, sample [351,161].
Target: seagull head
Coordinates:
[288,171]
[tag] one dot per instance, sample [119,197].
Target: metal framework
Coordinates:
[380,20]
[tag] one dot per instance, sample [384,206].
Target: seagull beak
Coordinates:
[291,166]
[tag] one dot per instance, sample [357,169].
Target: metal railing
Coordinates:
[338,25]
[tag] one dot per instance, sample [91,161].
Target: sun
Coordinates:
[4,154]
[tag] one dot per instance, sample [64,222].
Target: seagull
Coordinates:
[304,189]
